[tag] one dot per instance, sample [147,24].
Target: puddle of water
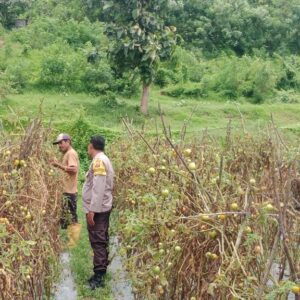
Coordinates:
[121,286]
[65,289]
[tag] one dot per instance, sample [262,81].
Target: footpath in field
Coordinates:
[65,289]
[120,286]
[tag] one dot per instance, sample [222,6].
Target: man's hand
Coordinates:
[54,163]
[90,218]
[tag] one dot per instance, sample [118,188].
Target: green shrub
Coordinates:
[53,70]
[18,74]
[264,82]
[189,90]
[6,86]
[63,9]
[164,77]
[109,101]
[47,31]
[235,77]
[194,92]
[182,67]
[175,92]
[41,33]
[186,64]
[127,84]
[62,68]
[287,97]
[98,77]
[79,33]
[289,73]
[227,81]
[6,52]
[254,78]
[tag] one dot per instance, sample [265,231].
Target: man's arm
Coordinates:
[68,169]
[99,182]
[72,166]
[98,189]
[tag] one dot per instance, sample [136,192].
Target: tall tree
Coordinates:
[140,38]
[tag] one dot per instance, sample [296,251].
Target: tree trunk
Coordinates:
[145,99]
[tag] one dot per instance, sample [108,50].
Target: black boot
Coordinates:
[97,273]
[91,278]
[97,280]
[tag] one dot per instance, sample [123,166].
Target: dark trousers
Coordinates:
[98,236]
[69,210]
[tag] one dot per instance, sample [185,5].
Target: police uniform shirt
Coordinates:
[97,189]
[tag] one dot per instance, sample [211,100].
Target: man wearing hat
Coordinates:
[70,167]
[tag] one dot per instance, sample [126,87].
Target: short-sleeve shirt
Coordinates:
[70,159]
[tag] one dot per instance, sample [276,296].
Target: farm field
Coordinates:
[187,212]
[199,105]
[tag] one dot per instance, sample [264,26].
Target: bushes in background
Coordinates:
[62,56]
[255,79]
[46,31]
[71,56]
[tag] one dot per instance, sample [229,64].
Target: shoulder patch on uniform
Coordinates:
[98,167]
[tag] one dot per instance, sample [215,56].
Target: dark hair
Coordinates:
[98,142]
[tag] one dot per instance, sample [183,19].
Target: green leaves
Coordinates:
[139,36]
[240,26]
[140,39]
[107,5]
[135,14]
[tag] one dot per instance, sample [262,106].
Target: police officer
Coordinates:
[97,204]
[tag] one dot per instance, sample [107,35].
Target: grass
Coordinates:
[61,108]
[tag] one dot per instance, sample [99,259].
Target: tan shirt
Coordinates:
[97,189]
[70,159]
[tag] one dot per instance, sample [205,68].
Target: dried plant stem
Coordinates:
[269,264]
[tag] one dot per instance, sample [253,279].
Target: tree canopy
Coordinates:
[240,26]
[140,37]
